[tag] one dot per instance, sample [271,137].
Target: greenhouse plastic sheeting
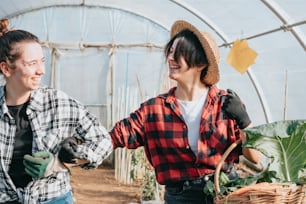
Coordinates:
[109,54]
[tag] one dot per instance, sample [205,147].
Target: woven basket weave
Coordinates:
[271,193]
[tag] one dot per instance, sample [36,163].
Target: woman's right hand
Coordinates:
[69,151]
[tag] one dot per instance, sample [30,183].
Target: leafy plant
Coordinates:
[227,186]
[284,142]
[150,189]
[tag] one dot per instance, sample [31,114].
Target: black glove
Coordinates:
[68,152]
[234,108]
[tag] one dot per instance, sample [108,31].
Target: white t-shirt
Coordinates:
[192,111]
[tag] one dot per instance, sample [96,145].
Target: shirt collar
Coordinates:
[170,97]
[37,100]
[3,108]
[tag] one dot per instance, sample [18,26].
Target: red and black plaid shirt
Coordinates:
[158,125]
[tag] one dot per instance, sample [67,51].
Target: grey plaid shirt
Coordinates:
[53,116]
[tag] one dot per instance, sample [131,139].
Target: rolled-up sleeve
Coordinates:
[96,142]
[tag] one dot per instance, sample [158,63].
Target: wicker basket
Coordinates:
[264,193]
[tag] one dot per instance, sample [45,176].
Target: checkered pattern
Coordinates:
[53,116]
[159,126]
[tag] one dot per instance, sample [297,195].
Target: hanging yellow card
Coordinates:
[241,56]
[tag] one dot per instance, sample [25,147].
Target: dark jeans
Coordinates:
[192,192]
[187,195]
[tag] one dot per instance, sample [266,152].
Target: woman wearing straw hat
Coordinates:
[185,131]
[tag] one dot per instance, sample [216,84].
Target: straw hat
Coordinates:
[209,45]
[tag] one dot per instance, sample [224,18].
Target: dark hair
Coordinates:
[188,47]
[9,38]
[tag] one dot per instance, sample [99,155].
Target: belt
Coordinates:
[199,182]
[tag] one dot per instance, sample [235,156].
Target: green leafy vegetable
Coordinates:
[285,143]
[227,186]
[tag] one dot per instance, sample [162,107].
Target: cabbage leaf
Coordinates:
[285,143]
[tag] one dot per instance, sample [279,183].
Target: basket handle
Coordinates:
[218,168]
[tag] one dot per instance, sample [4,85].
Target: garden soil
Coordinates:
[98,186]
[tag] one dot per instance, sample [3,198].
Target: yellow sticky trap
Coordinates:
[241,56]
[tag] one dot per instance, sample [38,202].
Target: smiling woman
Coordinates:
[22,64]
[24,74]
[185,130]
[34,123]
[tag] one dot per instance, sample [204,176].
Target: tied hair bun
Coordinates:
[4,27]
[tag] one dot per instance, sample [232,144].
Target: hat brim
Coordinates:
[209,45]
